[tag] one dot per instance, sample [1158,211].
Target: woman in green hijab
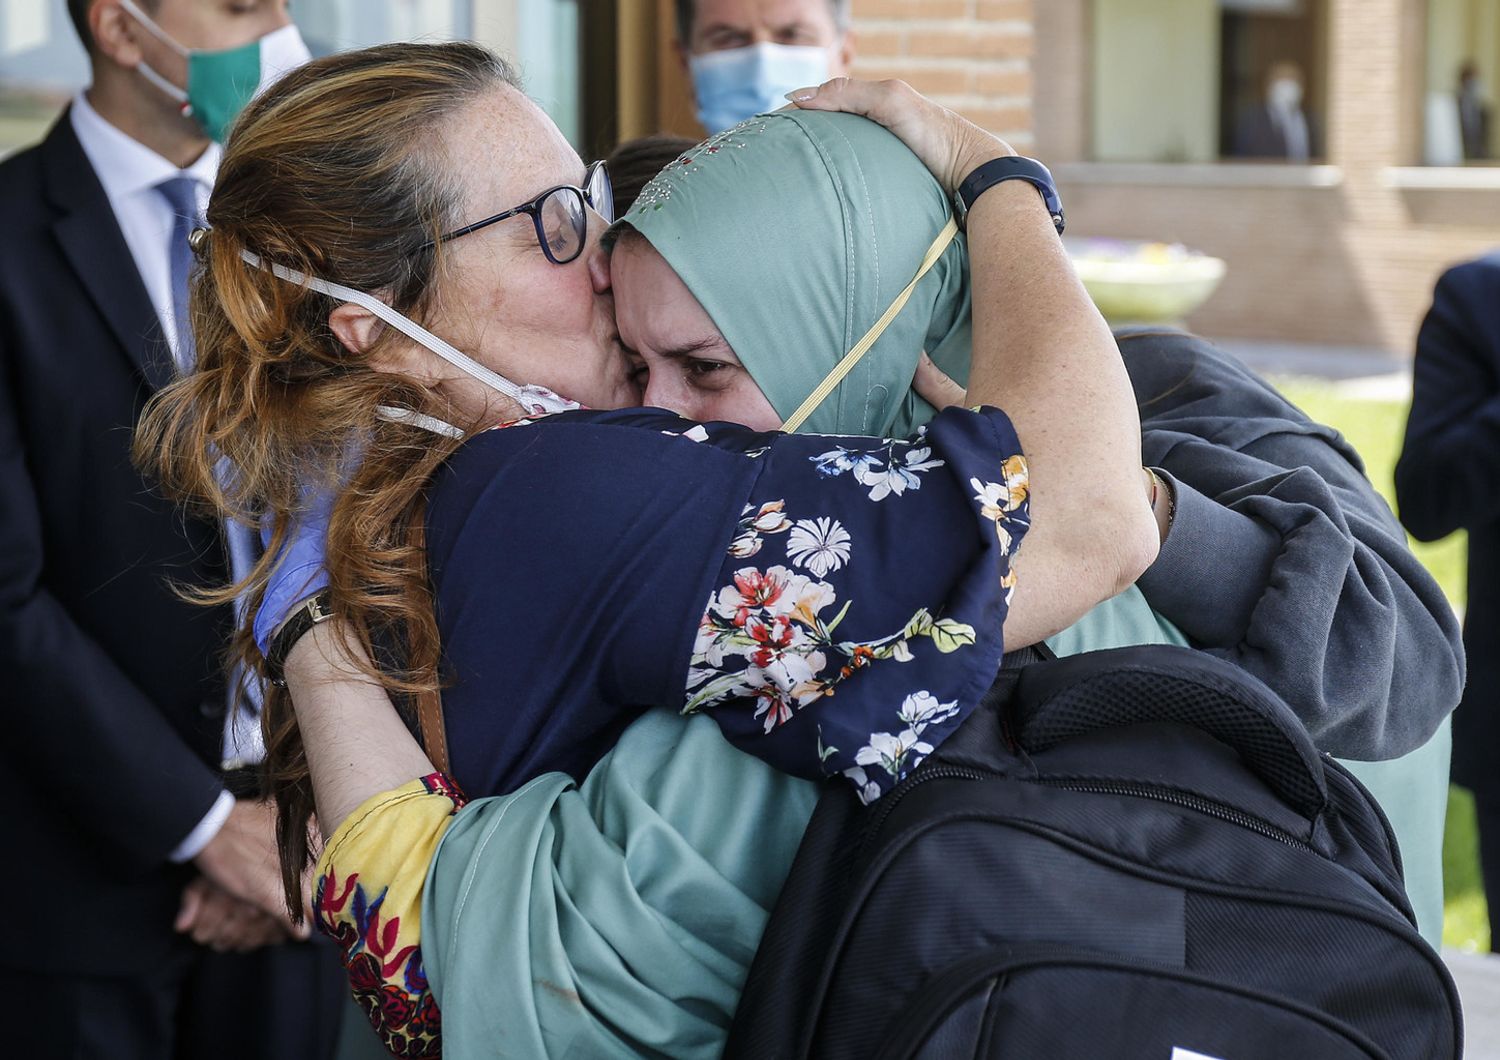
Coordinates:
[861,209]
[618,917]
[714,229]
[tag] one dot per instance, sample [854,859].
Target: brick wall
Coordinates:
[1348,264]
[972,55]
[1348,260]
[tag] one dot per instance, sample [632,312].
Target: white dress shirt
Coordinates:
[1293,125]
[130,172]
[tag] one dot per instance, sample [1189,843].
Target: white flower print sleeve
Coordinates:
[859,612]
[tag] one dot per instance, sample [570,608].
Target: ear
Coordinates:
[357,331]
[848,48]
[114,33]
[355,328]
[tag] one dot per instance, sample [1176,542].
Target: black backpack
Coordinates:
[1128,853]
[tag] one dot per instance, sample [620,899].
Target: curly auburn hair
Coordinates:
[331,172]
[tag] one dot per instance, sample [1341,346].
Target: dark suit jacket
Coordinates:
[1476,131]
[113,699]
[1257,135]
[1448,479]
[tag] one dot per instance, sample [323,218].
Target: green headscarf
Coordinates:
[796,231]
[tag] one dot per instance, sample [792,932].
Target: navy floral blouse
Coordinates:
[835,604]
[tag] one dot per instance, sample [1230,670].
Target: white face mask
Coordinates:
[534,400]
[1285,94]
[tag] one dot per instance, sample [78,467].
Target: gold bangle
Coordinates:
[1161,485]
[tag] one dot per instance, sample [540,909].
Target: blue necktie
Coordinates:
[242,543]
[181,194]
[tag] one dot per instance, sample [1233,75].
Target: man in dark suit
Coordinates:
[125,843]
[1473,114]
[1448,478]
[1278,126]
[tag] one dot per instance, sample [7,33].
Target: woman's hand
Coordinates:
[950,146]
[935,386]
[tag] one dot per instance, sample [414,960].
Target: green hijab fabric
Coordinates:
[796,231]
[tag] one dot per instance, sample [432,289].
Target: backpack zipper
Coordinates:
[887,806]
[1190,802]
[1208,807]
[934,1000]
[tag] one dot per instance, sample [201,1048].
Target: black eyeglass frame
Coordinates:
[533,208]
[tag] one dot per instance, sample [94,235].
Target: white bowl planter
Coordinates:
[1136,282]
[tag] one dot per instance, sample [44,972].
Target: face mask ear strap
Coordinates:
[166,86]
[846,365]
[419,419]
[151,27]
[411,329]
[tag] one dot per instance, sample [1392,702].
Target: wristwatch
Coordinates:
[999,170]
[315,609]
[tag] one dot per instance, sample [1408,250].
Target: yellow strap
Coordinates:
[862,347]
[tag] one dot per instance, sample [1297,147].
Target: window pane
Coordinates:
[42,63]
[1155,80]
[338,25]
[541,38]
[1463,57]
[1271,96]
[1189,80]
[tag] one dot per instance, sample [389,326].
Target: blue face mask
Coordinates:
[740,83]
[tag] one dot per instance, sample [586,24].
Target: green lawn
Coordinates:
[25,118]
[1374,428]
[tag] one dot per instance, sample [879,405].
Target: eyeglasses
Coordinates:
[559,214]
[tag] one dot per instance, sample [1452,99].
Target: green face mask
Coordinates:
[220,83]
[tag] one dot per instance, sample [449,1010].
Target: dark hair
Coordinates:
[686,9]
[633,163]
[78,11]
[332,172]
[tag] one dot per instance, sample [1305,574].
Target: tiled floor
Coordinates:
[1478,979]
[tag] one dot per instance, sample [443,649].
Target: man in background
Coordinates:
[1448,479]
[133,861]
[744,55]
[1473,114]
[1277,127]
